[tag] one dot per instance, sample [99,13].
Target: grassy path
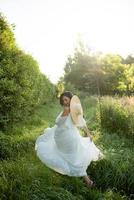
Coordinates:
[24,177]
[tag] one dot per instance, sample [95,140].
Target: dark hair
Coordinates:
[67,94]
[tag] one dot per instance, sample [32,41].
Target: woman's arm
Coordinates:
[87,131]
[84,127]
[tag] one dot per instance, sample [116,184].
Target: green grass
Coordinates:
[25,177]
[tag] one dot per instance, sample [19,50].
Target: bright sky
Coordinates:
[48,29]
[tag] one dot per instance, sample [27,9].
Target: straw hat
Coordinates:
[76,110]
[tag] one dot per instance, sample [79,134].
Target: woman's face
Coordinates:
[66,101]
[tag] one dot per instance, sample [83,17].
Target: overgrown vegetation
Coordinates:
[23,176]
[28,106]
[116,115]
[100,74]
[22,85]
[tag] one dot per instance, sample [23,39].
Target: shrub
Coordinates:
[116,117]
[22,86]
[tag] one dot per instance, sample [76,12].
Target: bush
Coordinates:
[22,86]
[115,117]
[5,146]
[12,149]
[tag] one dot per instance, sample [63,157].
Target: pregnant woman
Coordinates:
[62,147]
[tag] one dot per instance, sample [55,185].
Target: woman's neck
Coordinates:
[66,110]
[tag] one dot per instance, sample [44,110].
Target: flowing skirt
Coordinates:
[66,151]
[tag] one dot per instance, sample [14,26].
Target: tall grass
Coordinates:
[116,170]
[116,115]
[24,177]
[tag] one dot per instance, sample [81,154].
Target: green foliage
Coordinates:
[7,40]
[114,175]
[80,71]
[59,87]
[27,107]
[5,146]
[116,171]
[129,59]
[23,176]
[100,74]
[22,86]
[10,148]
[115,116]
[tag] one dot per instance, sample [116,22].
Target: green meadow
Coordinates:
[25,177]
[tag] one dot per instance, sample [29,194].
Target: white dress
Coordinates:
[63,149]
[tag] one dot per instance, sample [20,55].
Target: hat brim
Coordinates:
[75,102]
